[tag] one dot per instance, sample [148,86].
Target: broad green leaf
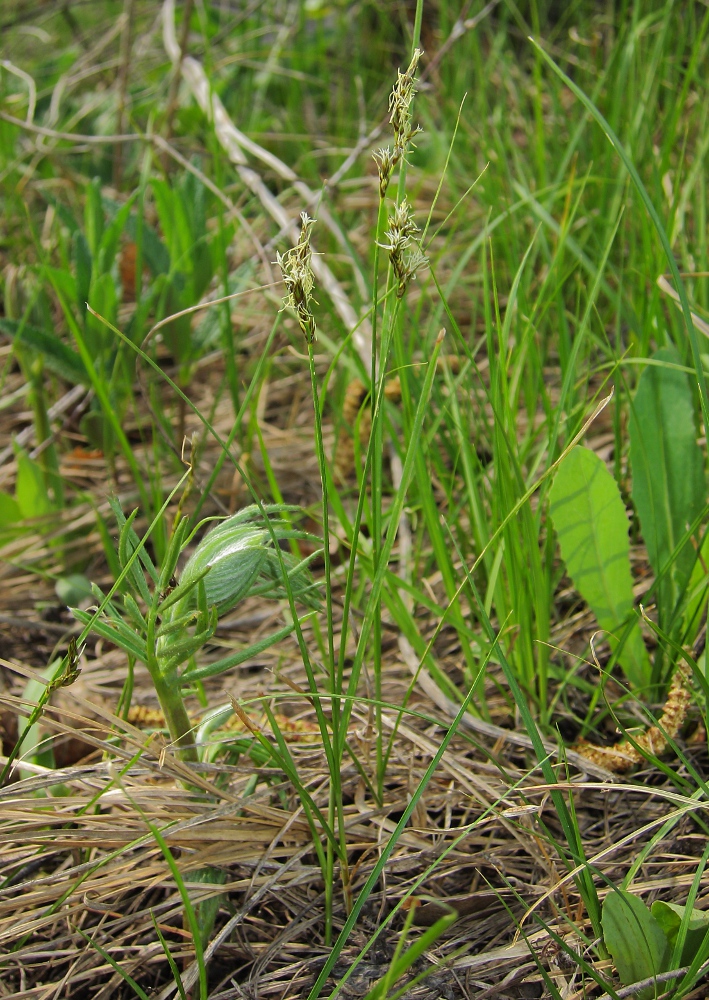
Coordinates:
[669,917]
[30,488]
[697,592]
[58,356]
[165,205]
[10,518]
[10,511]
[669,484]
[592,528]
[193,223]
[634,938]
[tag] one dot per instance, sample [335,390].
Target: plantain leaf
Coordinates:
[669,916]
[637,943]
[10,512]
[30,488]
[592,528]
[669,483]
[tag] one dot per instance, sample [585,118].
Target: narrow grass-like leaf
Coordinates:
[388,848]
[114,965]
[592,528]
[168,955]
[657,222]
[190,914]
[239,657]
[404,962]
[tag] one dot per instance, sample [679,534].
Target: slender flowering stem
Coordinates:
[296,267]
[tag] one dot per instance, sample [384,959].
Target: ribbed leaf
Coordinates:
[634,938]
[669,483]
[30,488]
[670,916]
[592,528]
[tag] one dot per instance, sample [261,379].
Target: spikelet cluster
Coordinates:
[404,261]
[623,755]
[71,669]
[400,118]
[297,271]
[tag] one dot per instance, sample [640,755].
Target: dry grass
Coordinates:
[78,858]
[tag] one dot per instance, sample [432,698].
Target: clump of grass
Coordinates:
[545,281]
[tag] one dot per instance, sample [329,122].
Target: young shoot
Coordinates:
[168,616]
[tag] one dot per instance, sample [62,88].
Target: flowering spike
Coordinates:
[400,118]
[386,161]
[297,271]
[398,235]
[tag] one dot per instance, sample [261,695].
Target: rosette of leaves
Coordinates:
[167,615]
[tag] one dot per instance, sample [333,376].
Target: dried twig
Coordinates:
[662,977]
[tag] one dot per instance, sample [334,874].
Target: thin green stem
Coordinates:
[225,450]
[376,438]
[394,518]
[335,804]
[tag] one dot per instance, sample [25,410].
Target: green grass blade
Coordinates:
[657,222]
[114,965]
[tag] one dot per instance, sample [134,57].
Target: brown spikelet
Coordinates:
[355,395]
[292,730]
[623,755]
[392,389]
[145,718]
[352,403]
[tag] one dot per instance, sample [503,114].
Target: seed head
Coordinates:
[297,271]
[398,234]
[71,668]
[400,105]
[400,118]
[386,161]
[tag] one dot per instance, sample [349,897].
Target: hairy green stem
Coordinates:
[176,717]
